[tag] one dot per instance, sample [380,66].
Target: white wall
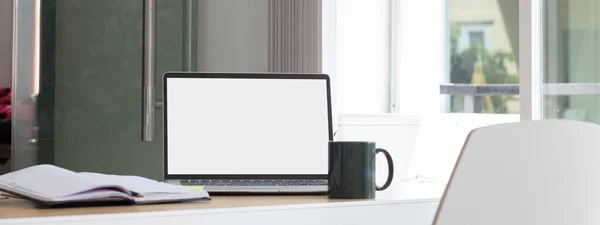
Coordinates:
[6,21]
[233,35]
[421,55]
[363,49]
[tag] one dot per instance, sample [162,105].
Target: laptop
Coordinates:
[247,132]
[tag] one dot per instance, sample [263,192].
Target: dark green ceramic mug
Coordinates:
[352,169]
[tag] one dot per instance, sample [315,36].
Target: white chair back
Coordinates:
[532,172]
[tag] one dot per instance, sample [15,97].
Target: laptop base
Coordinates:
[259,189]
[267,189]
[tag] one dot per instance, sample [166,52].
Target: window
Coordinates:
[483,64]
[471,63]
[572,40]
[472,35]
[476,38]
[431,66]
[455,63]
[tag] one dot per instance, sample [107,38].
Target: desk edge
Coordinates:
[188,212]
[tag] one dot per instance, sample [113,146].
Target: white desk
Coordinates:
[415,204]
[232,210]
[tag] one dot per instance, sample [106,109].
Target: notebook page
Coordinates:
[138,184]
[97,194]
[156,197]
[48,181]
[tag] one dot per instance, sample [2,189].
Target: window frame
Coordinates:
[531,56]
[404,97]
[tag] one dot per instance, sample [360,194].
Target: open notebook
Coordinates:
[52,186]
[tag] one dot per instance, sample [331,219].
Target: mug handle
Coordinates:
[390,169]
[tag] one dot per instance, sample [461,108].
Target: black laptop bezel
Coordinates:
[234,75]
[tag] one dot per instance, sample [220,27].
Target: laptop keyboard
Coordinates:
[254,182]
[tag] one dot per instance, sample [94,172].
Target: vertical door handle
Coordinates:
[189,34]
[149,68]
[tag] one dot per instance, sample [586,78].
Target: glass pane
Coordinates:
[483,47]
[572,37]
[90,100]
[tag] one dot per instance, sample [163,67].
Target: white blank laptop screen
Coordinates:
[219,126]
